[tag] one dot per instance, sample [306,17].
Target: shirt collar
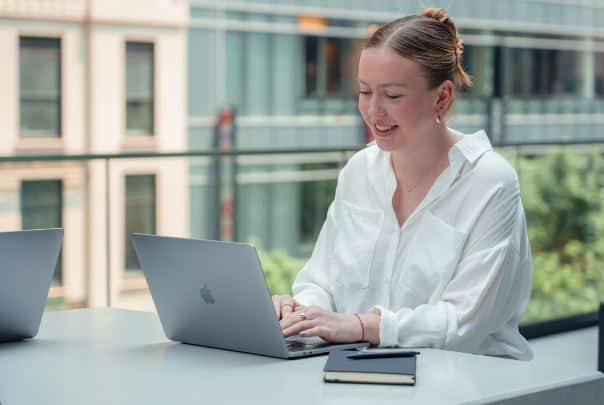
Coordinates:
[469,148]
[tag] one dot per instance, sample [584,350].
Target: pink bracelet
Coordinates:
[362,327]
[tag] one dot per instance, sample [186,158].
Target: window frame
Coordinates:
[153,96]
[58,273]
[154,193]
[40,134]
[321,83]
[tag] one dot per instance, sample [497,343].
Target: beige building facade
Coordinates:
[85,78]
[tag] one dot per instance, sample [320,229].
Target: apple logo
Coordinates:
[206,294]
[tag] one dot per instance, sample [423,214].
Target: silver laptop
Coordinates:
[213,294]
[28,263]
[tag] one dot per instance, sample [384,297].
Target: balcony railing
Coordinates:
[277,199]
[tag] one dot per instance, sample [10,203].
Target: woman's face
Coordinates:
[394,99]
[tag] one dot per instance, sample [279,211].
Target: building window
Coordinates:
[542,72]
[140,213]
[599,74]
[330,66]
[40,87]
[311,65]
[139,88]
[315,198]
[41,207]
[478,62]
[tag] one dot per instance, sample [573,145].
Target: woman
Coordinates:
[425,243]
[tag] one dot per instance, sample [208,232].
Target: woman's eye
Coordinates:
[364,92]
[394,96]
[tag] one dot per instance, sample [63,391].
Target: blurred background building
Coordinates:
[289,69]
[113,77]
[93,77]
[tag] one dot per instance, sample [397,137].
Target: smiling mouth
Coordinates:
[384,130]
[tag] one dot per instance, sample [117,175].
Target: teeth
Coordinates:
[384,129]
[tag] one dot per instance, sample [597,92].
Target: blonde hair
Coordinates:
[430,39]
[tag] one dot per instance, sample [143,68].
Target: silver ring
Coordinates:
[302,315]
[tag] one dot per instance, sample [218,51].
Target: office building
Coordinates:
[289,69]
[93,77]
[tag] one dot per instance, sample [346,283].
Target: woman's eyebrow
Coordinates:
[386,84]
[394,84]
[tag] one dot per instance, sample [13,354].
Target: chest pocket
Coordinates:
[431,259]
[357,231]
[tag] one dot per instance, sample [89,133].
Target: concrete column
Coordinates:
[588,70]
[10,217]
[9,83]
[74,263]
[97,235]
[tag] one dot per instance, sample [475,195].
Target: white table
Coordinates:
[110,356]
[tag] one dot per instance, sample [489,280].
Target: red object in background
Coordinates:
[224,140]
[226,209]
[224,129]
[225,116]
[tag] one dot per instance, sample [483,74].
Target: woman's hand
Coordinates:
[285,305]
[332,326]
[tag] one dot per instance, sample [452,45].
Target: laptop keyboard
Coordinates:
[297,344]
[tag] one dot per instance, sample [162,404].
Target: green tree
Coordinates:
[280,269]
[561,194]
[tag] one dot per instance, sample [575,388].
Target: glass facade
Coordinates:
[330,66]
[542,73]
[330,74]
[315,198]
[599,74]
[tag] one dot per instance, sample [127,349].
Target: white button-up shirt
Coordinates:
[456,275]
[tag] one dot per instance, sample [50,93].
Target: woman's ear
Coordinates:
[444,96]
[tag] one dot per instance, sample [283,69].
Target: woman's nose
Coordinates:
[376,108]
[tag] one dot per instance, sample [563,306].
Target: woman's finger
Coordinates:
[320,331]
[290,319]
[298,327]
[287,305]
[277,305]
[298,306]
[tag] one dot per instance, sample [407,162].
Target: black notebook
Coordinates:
[394,370]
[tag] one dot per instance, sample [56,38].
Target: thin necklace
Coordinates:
[425,176]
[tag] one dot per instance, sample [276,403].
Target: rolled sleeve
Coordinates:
[389,325]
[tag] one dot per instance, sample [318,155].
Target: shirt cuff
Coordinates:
[388,327]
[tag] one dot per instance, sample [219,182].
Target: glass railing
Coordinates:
[555,105]
[562,196]
[277,200]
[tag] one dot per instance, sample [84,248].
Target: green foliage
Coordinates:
[279,270]
[561,193]
[56,303]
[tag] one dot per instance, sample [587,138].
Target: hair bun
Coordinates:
[441,16]
[437,13]
[458,47]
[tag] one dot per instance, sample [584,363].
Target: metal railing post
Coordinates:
[108,231]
